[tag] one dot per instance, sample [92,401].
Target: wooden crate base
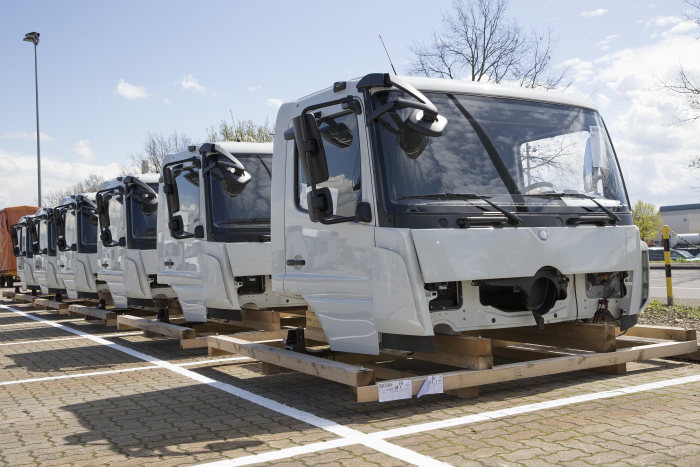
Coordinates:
[9,294]
[27,297]
[194,335]
[559,348]
[107,316]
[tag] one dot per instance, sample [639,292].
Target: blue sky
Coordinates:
[110,72]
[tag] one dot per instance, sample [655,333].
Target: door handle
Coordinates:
[295,262]
[169,263]
[104,265]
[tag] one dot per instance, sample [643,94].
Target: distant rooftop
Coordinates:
[680,207]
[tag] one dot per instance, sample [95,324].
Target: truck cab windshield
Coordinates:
[231,209]
[509,150]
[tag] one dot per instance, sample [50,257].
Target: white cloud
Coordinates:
[653,148]
[672,25]
[84,151]
[274,102]
[130,91]
[594,13]
[605,43]
[18,176]
[190,82]
[26,135]
[254,88]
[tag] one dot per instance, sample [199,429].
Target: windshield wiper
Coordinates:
[515,220]
[611,215]
[252,220]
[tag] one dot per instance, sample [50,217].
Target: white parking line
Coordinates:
[357,437]
[77,375]
[121,370]
[42,341]
[31,323]
[452,422]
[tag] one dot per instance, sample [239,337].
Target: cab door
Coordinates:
[180,263]
[331,265]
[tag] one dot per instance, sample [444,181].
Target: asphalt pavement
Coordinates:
[686,285]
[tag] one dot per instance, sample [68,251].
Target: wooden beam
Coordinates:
[524,352]
[328,369]
[596,337]
[155,327]
[550,366]
[108,316]
[662,332]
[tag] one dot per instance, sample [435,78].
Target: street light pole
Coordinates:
[34,38]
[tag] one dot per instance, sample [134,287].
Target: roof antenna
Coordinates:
[387,55]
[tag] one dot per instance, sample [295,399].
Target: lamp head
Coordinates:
[32,37]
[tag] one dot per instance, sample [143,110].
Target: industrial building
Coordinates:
[681,218]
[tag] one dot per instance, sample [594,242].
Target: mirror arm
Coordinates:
[429,111]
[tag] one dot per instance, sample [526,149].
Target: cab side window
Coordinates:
[187,182]
[339,135]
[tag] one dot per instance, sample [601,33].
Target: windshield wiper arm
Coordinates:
[613,217]
[468,196]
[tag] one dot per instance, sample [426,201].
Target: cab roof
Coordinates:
[467,87]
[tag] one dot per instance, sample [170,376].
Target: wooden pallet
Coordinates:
[9,294]
[194,335]
[28,298]
[531,352]
[107,316]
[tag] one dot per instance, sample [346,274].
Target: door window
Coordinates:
[187,182]
[339,135]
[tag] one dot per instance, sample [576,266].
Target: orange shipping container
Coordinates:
[8,217]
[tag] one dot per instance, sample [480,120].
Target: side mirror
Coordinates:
[176,226]
[122,242]
[424,123]
[363,212]
[310,149]
[74,247]
[106,237]
[199,231]
[44,251]
[321,203]
[101,210]
[170,190]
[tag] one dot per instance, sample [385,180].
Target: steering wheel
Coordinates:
[536,185]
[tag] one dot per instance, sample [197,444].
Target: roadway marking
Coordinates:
[30,323]
[121,370]
[453,422]
[350,435]
[42,341]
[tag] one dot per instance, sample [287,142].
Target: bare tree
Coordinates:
[155,148]
[481,42]
[91,184]
[686,84]
[241,130]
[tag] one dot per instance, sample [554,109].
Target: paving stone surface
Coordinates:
[145,415]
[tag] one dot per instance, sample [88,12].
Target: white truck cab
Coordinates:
[406,207]
[76,231]
[126,250]
[22,232]
[214,230]
[45,253]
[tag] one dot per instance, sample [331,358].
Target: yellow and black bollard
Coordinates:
[667,262]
